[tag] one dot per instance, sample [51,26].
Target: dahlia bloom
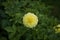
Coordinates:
[58,25]
[57,29]
[30,20]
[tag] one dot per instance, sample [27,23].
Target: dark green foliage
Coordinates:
[11,25]
[56,7]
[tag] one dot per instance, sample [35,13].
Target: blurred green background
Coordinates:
[11,14]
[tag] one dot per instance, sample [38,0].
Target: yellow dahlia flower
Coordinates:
[58,25]
[57,28]
[30,20]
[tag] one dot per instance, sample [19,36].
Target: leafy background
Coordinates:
[12,12]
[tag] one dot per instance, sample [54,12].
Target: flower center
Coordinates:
[30,20]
